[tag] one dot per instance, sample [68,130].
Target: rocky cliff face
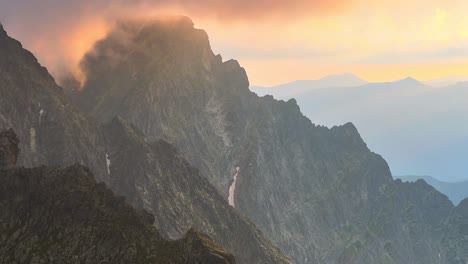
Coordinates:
[455,238]
[61,215]
[149,174]
[154,176]
[320,194]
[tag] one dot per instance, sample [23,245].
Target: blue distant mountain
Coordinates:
[296,88]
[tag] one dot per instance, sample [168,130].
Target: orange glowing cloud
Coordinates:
[60,32]
[248,9]
[276,40]
[64,56]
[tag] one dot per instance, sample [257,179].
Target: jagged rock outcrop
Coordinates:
[61,215]
[201,249]
[154,176]
[53,132]
[320,194]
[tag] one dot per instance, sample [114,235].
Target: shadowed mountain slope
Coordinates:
[61,215]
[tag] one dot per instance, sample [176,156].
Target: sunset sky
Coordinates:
[276,41]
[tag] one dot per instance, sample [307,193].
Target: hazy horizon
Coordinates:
[439,82]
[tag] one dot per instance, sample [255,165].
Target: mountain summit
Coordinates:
[409,81]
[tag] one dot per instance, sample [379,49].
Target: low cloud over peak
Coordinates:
[61,32]
[379,40]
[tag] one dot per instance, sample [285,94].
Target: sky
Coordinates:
[276,41]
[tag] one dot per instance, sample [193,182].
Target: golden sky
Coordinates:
[276,41]
[376,40]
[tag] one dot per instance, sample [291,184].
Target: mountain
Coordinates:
[296,88]
[409,123]
[57,215]
[178,133]
[52,131]
[155,177]
[455,191]
[318,193]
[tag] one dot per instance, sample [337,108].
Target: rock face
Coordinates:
[200,249]
[154,176]
[8,149]
[456,235]
[51,131]
[149,175]
[320,194]
[61,215]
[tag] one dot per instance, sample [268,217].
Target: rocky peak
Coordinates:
[464,204]
[16,61]
[201,246]
[8,149]
[157,43]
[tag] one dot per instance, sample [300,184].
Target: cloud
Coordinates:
[335,33]
[251,9]
[60,32]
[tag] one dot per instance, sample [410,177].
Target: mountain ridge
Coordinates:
[295,88]
[56,215]
[456,191]
[53,132]
[340,197]
[391,117]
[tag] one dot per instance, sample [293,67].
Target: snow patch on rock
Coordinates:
[108,161]
[232,188]
[41,112]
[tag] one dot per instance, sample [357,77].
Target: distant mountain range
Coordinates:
[455,191]
[446,81]
[296,88]
[420,130]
